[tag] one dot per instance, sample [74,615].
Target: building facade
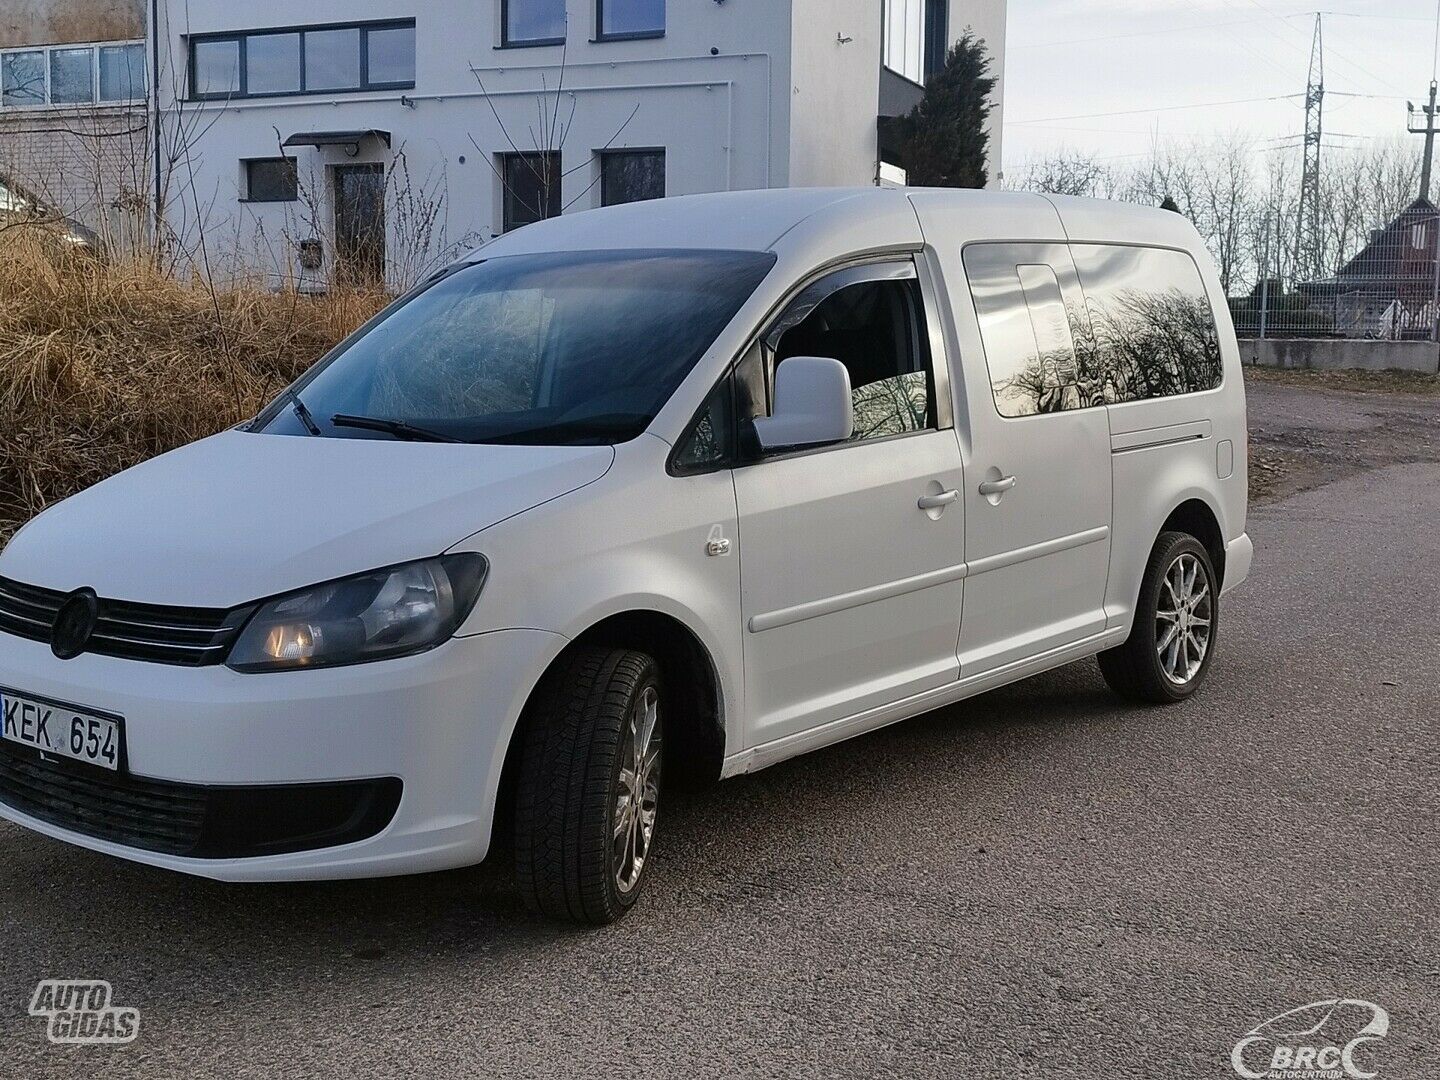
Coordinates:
[351,135]
[73,119]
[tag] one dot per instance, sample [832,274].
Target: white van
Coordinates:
[689,487]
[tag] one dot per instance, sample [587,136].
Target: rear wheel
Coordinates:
[588,797]
[1168,652]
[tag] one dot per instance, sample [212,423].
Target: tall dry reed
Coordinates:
[106,363]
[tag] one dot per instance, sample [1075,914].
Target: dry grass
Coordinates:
[103,365]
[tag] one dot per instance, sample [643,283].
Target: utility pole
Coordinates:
[1307,235]
[1428,131]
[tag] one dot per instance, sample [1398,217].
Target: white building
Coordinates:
[293,132]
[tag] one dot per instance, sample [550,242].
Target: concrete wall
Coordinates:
[1333,355]
[835,92]
[57,22]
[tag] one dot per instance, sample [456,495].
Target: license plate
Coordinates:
[61,730]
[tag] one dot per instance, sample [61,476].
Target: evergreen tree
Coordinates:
[943,140]
[1171,205]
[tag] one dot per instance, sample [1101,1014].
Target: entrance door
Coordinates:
[852,556]
[360,223]
[1038,490]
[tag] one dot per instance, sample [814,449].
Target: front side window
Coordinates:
[1154,330]
[871,319]
[570,348]
[630,18]
[628,176]
[532,22]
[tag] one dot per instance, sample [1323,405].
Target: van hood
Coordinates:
[242,516]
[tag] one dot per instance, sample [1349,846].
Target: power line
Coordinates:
[1159,109]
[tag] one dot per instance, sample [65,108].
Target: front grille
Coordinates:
[191,637]
[148,814]
[195,820]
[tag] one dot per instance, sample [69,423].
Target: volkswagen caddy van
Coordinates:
[648,495]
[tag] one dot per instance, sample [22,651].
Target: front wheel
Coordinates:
[588,797]
[1168,652]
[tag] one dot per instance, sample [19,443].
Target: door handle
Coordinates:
[997,487]
[940,501]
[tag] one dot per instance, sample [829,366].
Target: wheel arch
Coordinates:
[695,720]
[1198,518]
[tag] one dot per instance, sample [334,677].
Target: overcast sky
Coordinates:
[1071,59]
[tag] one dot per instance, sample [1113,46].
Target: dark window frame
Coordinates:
[242,37]
[295,171]
[507,42]
[633,151]
[632,35]
[507,195]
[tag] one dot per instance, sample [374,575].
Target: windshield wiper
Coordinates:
[610,425]
[399,428]
[302,413]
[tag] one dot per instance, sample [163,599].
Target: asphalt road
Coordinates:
[1039,882]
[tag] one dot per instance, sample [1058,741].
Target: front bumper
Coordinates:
[439,723]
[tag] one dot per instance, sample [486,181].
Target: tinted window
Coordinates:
[332,59]
[877,330]
[532,188]
[628,176]
[272,64]
[217,68]
[272,180]
[554,349]
[122,72]
[72,76]
[708,443]
[534,21]
[391,56]
[1154,330]
[625,18]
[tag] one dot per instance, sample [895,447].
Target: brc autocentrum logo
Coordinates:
[1325,1040]
[79,1011]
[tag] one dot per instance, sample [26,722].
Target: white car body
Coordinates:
[823,602]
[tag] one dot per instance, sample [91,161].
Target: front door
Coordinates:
[852,556]
[360,223]
[1038,492]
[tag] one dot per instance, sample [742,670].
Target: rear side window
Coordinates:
[1029,333]
[1154,332]
[1145,330]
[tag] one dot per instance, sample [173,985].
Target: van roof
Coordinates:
[757,220]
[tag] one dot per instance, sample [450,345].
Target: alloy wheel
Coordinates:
[1184,613]
[637,801]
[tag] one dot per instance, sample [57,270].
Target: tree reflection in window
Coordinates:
[1147,329]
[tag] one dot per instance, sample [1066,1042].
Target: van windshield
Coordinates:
[574,348]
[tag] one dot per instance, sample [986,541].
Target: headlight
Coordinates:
[391,612]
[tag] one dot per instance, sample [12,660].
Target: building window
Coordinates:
[628,176]
[532,22]
[272,64]
[271,180]
[70,74]
[322,59]
[621,19]
[22,78]
[904,48]
[122,73]
[532,187]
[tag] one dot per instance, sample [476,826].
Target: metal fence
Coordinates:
[1389,291]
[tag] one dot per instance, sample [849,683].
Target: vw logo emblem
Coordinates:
[74,623]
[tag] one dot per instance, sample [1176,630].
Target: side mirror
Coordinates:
[813,406]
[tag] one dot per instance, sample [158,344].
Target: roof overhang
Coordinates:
[350,140]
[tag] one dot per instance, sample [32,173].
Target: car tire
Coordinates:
[1172,642]
[582,837]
